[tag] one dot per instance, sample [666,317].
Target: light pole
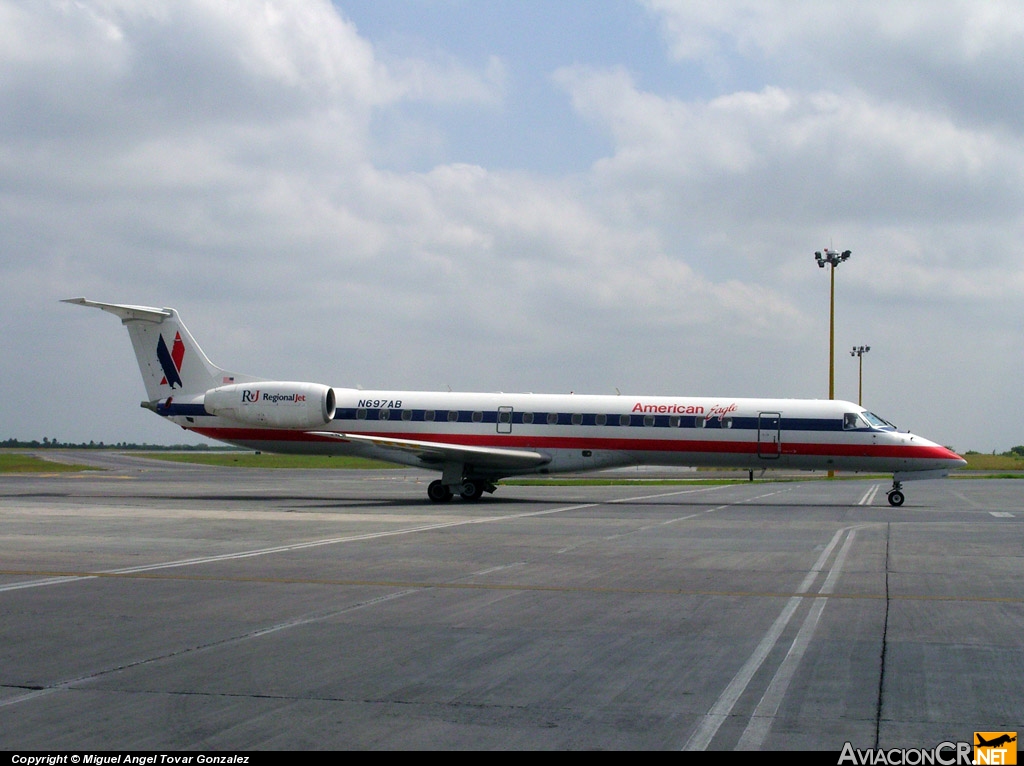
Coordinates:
[859,351]
[832,258]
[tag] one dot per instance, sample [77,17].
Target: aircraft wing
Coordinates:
[436,452]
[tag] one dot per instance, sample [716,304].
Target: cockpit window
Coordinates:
[876,422]
[853,420]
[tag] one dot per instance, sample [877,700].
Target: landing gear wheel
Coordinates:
[438,492]
[895,494]
[471,490]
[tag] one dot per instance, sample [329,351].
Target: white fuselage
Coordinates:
[586,432]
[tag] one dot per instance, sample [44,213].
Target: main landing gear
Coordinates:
[470,489]
[438,492]
[895,494]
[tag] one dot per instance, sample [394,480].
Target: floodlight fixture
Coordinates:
[832,257]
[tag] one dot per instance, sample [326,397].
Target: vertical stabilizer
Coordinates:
[170,360]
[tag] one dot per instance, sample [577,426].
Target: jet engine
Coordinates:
[273,404]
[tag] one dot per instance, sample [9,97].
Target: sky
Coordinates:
[517,195]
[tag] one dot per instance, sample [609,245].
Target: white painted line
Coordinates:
[333,541]
[64,685]
[720,711]
[869,496]
[764,714]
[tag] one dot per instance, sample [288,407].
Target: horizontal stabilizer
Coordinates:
[126,313]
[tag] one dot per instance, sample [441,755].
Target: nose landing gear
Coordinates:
[895,494]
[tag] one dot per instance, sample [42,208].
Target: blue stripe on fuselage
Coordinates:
[586,419]
[541,418]
[183,410]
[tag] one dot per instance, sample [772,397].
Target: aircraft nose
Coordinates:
[960,462]
[952,458]
[937,455]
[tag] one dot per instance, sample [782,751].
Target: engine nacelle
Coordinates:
[273,404]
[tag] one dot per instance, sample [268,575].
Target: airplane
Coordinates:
[1002,739]
[476,439]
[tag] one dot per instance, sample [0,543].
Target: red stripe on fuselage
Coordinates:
[789,448]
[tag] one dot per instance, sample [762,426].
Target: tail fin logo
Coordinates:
[170,361]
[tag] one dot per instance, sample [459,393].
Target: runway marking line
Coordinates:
[424,584]
[869,496]
[758,726]
[59,579]
[257,633]
[144,571]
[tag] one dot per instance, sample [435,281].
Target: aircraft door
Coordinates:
[504,420]
[769,435]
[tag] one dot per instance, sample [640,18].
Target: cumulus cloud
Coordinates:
[225,157]
[200,122]
[755,162]
[953,55]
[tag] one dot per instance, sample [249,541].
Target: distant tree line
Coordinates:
[48,443]
[1017,451]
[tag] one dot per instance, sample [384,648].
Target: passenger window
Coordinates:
[428,415]
[600,420]
[648,420]
[623,420]
[453,416]
[406,414]
[577,419]
[674,421]
[552,418]
[478,417]
[527,418]
[360,414]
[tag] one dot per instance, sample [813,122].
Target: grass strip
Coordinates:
[16,462]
